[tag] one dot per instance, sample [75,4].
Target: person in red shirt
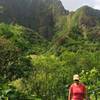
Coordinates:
[77,91]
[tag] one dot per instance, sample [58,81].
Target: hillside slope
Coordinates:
[85,21]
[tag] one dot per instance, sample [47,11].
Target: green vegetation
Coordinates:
[40,52]
[30,69]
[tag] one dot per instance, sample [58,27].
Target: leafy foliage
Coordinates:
[35,68]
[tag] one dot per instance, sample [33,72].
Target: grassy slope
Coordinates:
[24,38]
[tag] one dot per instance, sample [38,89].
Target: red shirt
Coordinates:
[77,91]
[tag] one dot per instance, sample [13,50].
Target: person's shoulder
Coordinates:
[82,84]
[72,85]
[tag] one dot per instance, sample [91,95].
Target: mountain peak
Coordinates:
[89,11]
[85,7]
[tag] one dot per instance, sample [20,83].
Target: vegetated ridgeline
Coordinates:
[39,15]
[47,17]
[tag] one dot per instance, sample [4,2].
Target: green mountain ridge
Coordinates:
[81,30]
[39,15]
[85,21]
[50,19]
[93,16]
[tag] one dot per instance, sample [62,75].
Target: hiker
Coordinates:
[77,91]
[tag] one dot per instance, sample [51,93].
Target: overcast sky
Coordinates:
[74,4]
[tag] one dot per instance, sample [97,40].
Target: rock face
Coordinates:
[40,15]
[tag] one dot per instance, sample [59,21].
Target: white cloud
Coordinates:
[97,4]
[74,4]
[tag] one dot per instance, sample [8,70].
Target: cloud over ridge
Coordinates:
[75,4]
